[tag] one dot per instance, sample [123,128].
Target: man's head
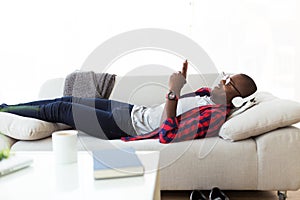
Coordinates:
[239,85]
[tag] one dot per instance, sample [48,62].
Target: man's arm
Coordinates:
[191,94]
[176,82]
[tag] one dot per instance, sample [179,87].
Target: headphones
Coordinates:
[239,101]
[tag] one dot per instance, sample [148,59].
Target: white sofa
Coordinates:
[269,161]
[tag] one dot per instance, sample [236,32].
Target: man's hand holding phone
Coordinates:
[177,80]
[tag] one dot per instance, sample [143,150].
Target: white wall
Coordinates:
[40,40]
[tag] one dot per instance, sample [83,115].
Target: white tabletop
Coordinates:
[47,180]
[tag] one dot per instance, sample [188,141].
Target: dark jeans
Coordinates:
[102,118]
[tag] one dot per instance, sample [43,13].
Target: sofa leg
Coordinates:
[282,195]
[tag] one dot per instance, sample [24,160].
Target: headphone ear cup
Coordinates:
[237,101]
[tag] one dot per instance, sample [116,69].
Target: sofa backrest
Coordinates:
[141,90]
[149,90]
[52,88]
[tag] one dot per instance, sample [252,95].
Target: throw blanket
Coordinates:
[89,84]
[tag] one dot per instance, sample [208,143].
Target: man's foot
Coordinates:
[3,106]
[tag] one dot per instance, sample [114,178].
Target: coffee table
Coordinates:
[47,180]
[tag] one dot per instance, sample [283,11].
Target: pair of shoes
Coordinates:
[217,194]
[197,195]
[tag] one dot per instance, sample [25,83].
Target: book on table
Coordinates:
[116,163]
[14,163]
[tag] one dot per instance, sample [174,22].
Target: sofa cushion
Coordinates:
[25,128]
[268,114]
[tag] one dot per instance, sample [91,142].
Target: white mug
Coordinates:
[64,144]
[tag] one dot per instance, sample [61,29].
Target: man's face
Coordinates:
[228,88]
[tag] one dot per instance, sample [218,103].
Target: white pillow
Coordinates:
[268,114]
[25,128]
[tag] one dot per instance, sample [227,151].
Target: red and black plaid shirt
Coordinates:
[199,122]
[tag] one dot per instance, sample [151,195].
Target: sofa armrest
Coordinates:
[278,159]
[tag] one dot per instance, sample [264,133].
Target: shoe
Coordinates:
[197,195]
[3,105]
[217,194]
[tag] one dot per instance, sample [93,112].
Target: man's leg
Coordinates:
[95,122]
[100,104]
[97,103]
[41,102]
